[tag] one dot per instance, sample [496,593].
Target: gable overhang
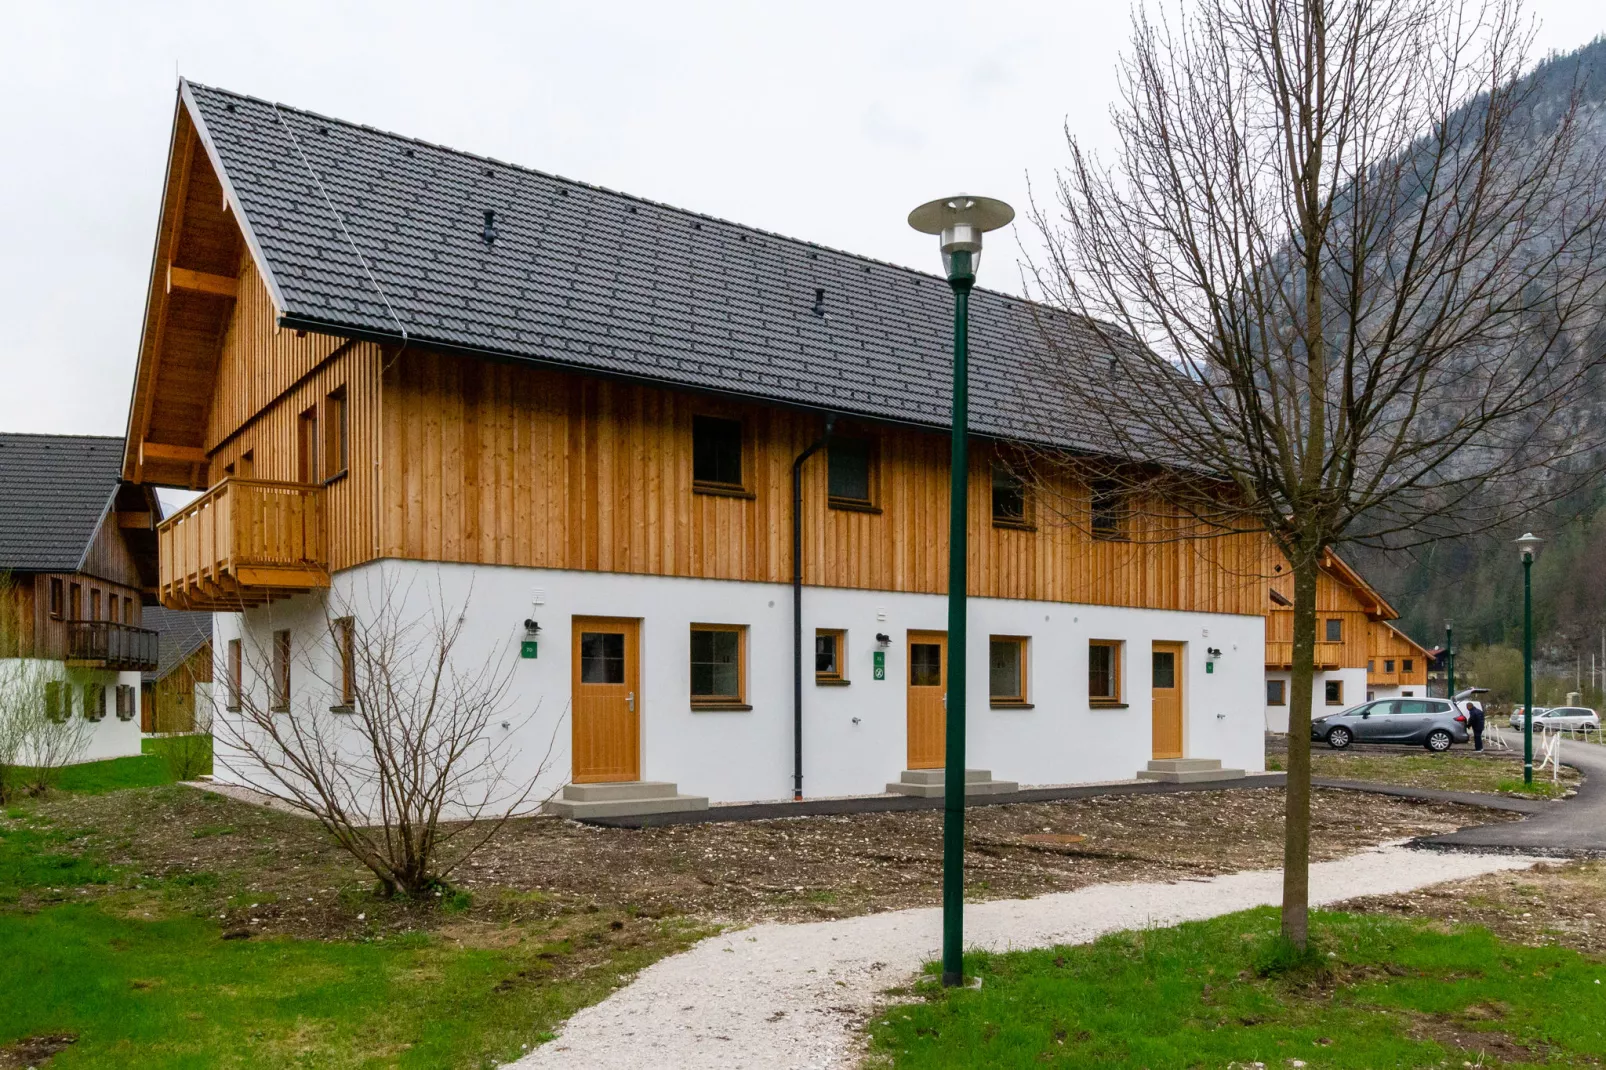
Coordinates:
[1376,606]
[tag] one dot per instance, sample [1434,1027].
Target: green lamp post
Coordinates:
[1449,658]
[1528,545]
[959,222]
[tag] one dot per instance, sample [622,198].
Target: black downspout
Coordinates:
[797,608]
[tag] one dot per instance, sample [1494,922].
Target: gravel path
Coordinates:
[793,996]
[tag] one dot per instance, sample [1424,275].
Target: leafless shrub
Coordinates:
[400,747]
[39,732]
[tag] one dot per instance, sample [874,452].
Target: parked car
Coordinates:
[1436,723]
[1565,717]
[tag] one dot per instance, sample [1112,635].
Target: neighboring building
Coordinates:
[1347,611]
[78,545]
[396,367]
[171,698]
[1398,665]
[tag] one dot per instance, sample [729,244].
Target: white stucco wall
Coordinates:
[1354,690]
[109,737]
[854,736]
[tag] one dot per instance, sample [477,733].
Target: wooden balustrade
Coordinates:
[1329,656]
[243,543]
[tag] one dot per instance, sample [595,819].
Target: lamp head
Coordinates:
[959,222]
[1528,545]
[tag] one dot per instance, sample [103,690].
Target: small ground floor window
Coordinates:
[1276,692]
[1335,692]
[1006,670]
[718,664]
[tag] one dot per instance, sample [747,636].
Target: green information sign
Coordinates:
[527,648]
[1210,666]
[880,664]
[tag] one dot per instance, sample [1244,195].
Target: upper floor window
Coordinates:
[1335,630]
[307,447]
[94,603]
[1108,510]
[1011,498]
[58,599]
[716,454]
[336,440]
[1388,664]
[851,476]
[75,601]
[1405,666]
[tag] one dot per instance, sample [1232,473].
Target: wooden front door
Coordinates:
[928,683]
[607,700]
[1167,700]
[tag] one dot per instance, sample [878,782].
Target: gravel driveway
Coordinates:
[793,996]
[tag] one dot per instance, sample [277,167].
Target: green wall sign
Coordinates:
[527,648]
[880,663]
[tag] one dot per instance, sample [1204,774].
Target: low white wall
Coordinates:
[109,737]
[854,736]
[1354,691]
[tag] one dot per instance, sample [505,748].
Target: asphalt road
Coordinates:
[1576,827]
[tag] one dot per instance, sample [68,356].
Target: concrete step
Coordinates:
[928,783]
[1184,765]
[1188,771]
[624,799]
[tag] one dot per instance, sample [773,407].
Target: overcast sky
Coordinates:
[822,120]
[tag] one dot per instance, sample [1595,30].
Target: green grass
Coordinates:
[163,761]
[1447,772]
[1382,993]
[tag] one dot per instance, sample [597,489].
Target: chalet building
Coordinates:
[77,551]
[584,419]
[178,688]
[1359,654]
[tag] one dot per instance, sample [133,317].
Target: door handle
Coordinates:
[630,702]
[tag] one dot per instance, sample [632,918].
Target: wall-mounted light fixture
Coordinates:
[531,627]
[883,638]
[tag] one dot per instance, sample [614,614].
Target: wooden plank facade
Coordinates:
[1394,659]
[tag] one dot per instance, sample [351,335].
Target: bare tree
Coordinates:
[1345,263]
[399,746]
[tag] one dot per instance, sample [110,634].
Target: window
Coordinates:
[1006,670]
[1388,665]
[1276,692]
[830,645]
[279,701]
[717,668]
[75,602]
[1335,630]
[925,664]
[1164,669]
[125,702]
[1371,666]
[1011,502]
[58,702]
[346,670]
[1104,672]
[57,599]
[1405,666]
[128,611]
[1108,511]
[602,657]
[1335,692]
[1407,694]
[716,454]
[94,603]
[307,447]
[851,464]
[236,674]
[336,440]
[94,702]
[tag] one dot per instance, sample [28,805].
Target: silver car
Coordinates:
[1564,717]
[1436,723]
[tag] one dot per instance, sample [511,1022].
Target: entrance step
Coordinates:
[1188,771]
[928,783]
[631,798]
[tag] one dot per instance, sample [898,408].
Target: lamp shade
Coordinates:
[1528,545]
[960,221]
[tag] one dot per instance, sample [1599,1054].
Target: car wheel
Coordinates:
[1439,741]
[1339,738]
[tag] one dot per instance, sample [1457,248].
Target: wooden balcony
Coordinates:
[101,644]
[1329,656]
[243,543]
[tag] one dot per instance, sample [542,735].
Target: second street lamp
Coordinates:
[1528,545]
[959,222]
[1449,658]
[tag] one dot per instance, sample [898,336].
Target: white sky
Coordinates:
[824,120]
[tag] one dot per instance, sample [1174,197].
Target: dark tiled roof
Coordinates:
[595,279]
[181,634]
[53,491]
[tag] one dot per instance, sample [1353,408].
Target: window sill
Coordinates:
[1276,705]
[1011,704]
[342,709]
[1106,704]
[722,490]
[1014,525]
[714,707]
[831,681]
[853,505]
[1110,536]
[232,709]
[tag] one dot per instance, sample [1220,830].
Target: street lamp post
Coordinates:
[959,223]
[1528,545]
[1449,658]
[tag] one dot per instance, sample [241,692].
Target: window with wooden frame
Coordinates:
[830,656]
[94,603]
[719,666]
[1006,671]
[58,702]
[1335,629]
[345,629]
[1012,499]
[1108,505]
[75,601]
[717,448]
[1335,692]
[279,701]
[1371,666]
[307,447]
[1276,692]
[94,703]
[128,611]
[852,476]
[58,598]
[1405,666]
[125,702]
[1388,665]
[236,674]
[336,440]
[1104,672]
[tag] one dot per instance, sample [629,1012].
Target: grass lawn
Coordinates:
[1455,771]
[1383,992]
[166,759]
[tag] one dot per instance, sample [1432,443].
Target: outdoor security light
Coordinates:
[960,221]
[1529,545]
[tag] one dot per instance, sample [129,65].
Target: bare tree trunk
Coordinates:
[1296,817]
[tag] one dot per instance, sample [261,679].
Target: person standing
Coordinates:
[1475,722]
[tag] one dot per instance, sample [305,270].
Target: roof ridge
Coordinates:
[610,191]
[61,435]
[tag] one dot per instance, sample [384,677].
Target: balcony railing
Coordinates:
[1280,655]
[101,644]
[243,543]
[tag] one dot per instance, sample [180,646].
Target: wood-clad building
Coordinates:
[576,415]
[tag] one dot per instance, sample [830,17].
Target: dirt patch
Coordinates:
[1561,905]
[35,1051]
[1458,1033]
